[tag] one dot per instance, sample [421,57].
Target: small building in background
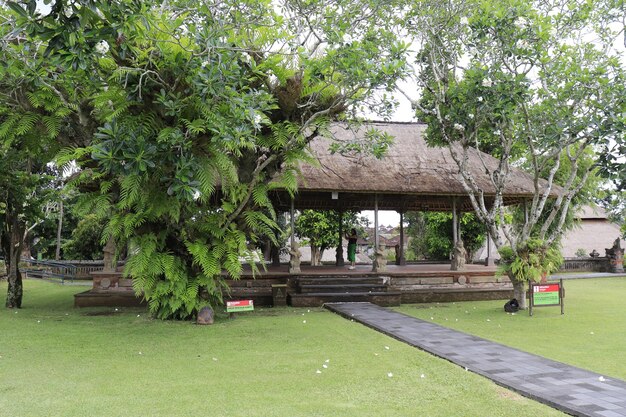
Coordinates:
[593,232]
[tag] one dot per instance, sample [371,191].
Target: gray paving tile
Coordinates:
[572,390]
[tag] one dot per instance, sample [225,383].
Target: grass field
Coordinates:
[59,361]
[591,334]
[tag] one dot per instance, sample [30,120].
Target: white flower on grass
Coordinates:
[591,333]
[204,64]
[138,315]
[480,99]
[102,47]
[38,321]
[318,372]
[140,353]
[304,321]
[488,320]
[325,366]
[387,347]
[432,318]
[487,83]
[215,359]
[471,116]
[389,374]
[327,360]
[464,21]
[459,127]
[496,132]
[422,376]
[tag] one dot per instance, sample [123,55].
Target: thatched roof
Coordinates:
[412,176]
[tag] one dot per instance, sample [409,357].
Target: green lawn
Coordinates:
[591,334]
[59,361]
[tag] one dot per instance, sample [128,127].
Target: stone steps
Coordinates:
[384,299]
[341,288]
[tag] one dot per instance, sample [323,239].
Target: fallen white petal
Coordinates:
[304,321]
[215,359]
[138,315]
[601,379]
[422,376]
[389,374]
[387,347]
[591,333]
[325,366]
[318,372]
[375,354]
[308,311]
[488,320]
[432,318]
[140,353]
[327,360]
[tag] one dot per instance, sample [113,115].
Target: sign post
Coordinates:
[547,295]
[239,305]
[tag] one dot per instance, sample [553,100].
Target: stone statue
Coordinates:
[109,255]
[615,256]
[380,262]
[458,256]
[294,262]
[594,254]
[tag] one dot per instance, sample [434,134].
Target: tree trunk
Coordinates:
[519,292]
[13,253]
[315,255]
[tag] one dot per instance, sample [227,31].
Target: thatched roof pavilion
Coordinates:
[411,177]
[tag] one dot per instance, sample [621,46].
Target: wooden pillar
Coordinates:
[489,261]
[525,212]
[402,258]
[339,261]
[292,223]
[375,222]
[294,251]
[455,220]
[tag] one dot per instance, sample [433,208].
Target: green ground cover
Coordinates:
[591,334]
[59,361]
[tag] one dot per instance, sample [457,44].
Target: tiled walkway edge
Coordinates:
[572,390]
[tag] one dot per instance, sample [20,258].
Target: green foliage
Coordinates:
[532,260]
[86,239]
[321,228]
[431,234]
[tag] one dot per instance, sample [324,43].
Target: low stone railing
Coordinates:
[587,264]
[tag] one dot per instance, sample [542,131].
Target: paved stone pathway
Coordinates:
[564,387]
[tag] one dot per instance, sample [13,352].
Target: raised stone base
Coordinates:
[93,298]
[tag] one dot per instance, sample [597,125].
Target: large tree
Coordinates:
[193,111]
[518,79]
[33,121]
